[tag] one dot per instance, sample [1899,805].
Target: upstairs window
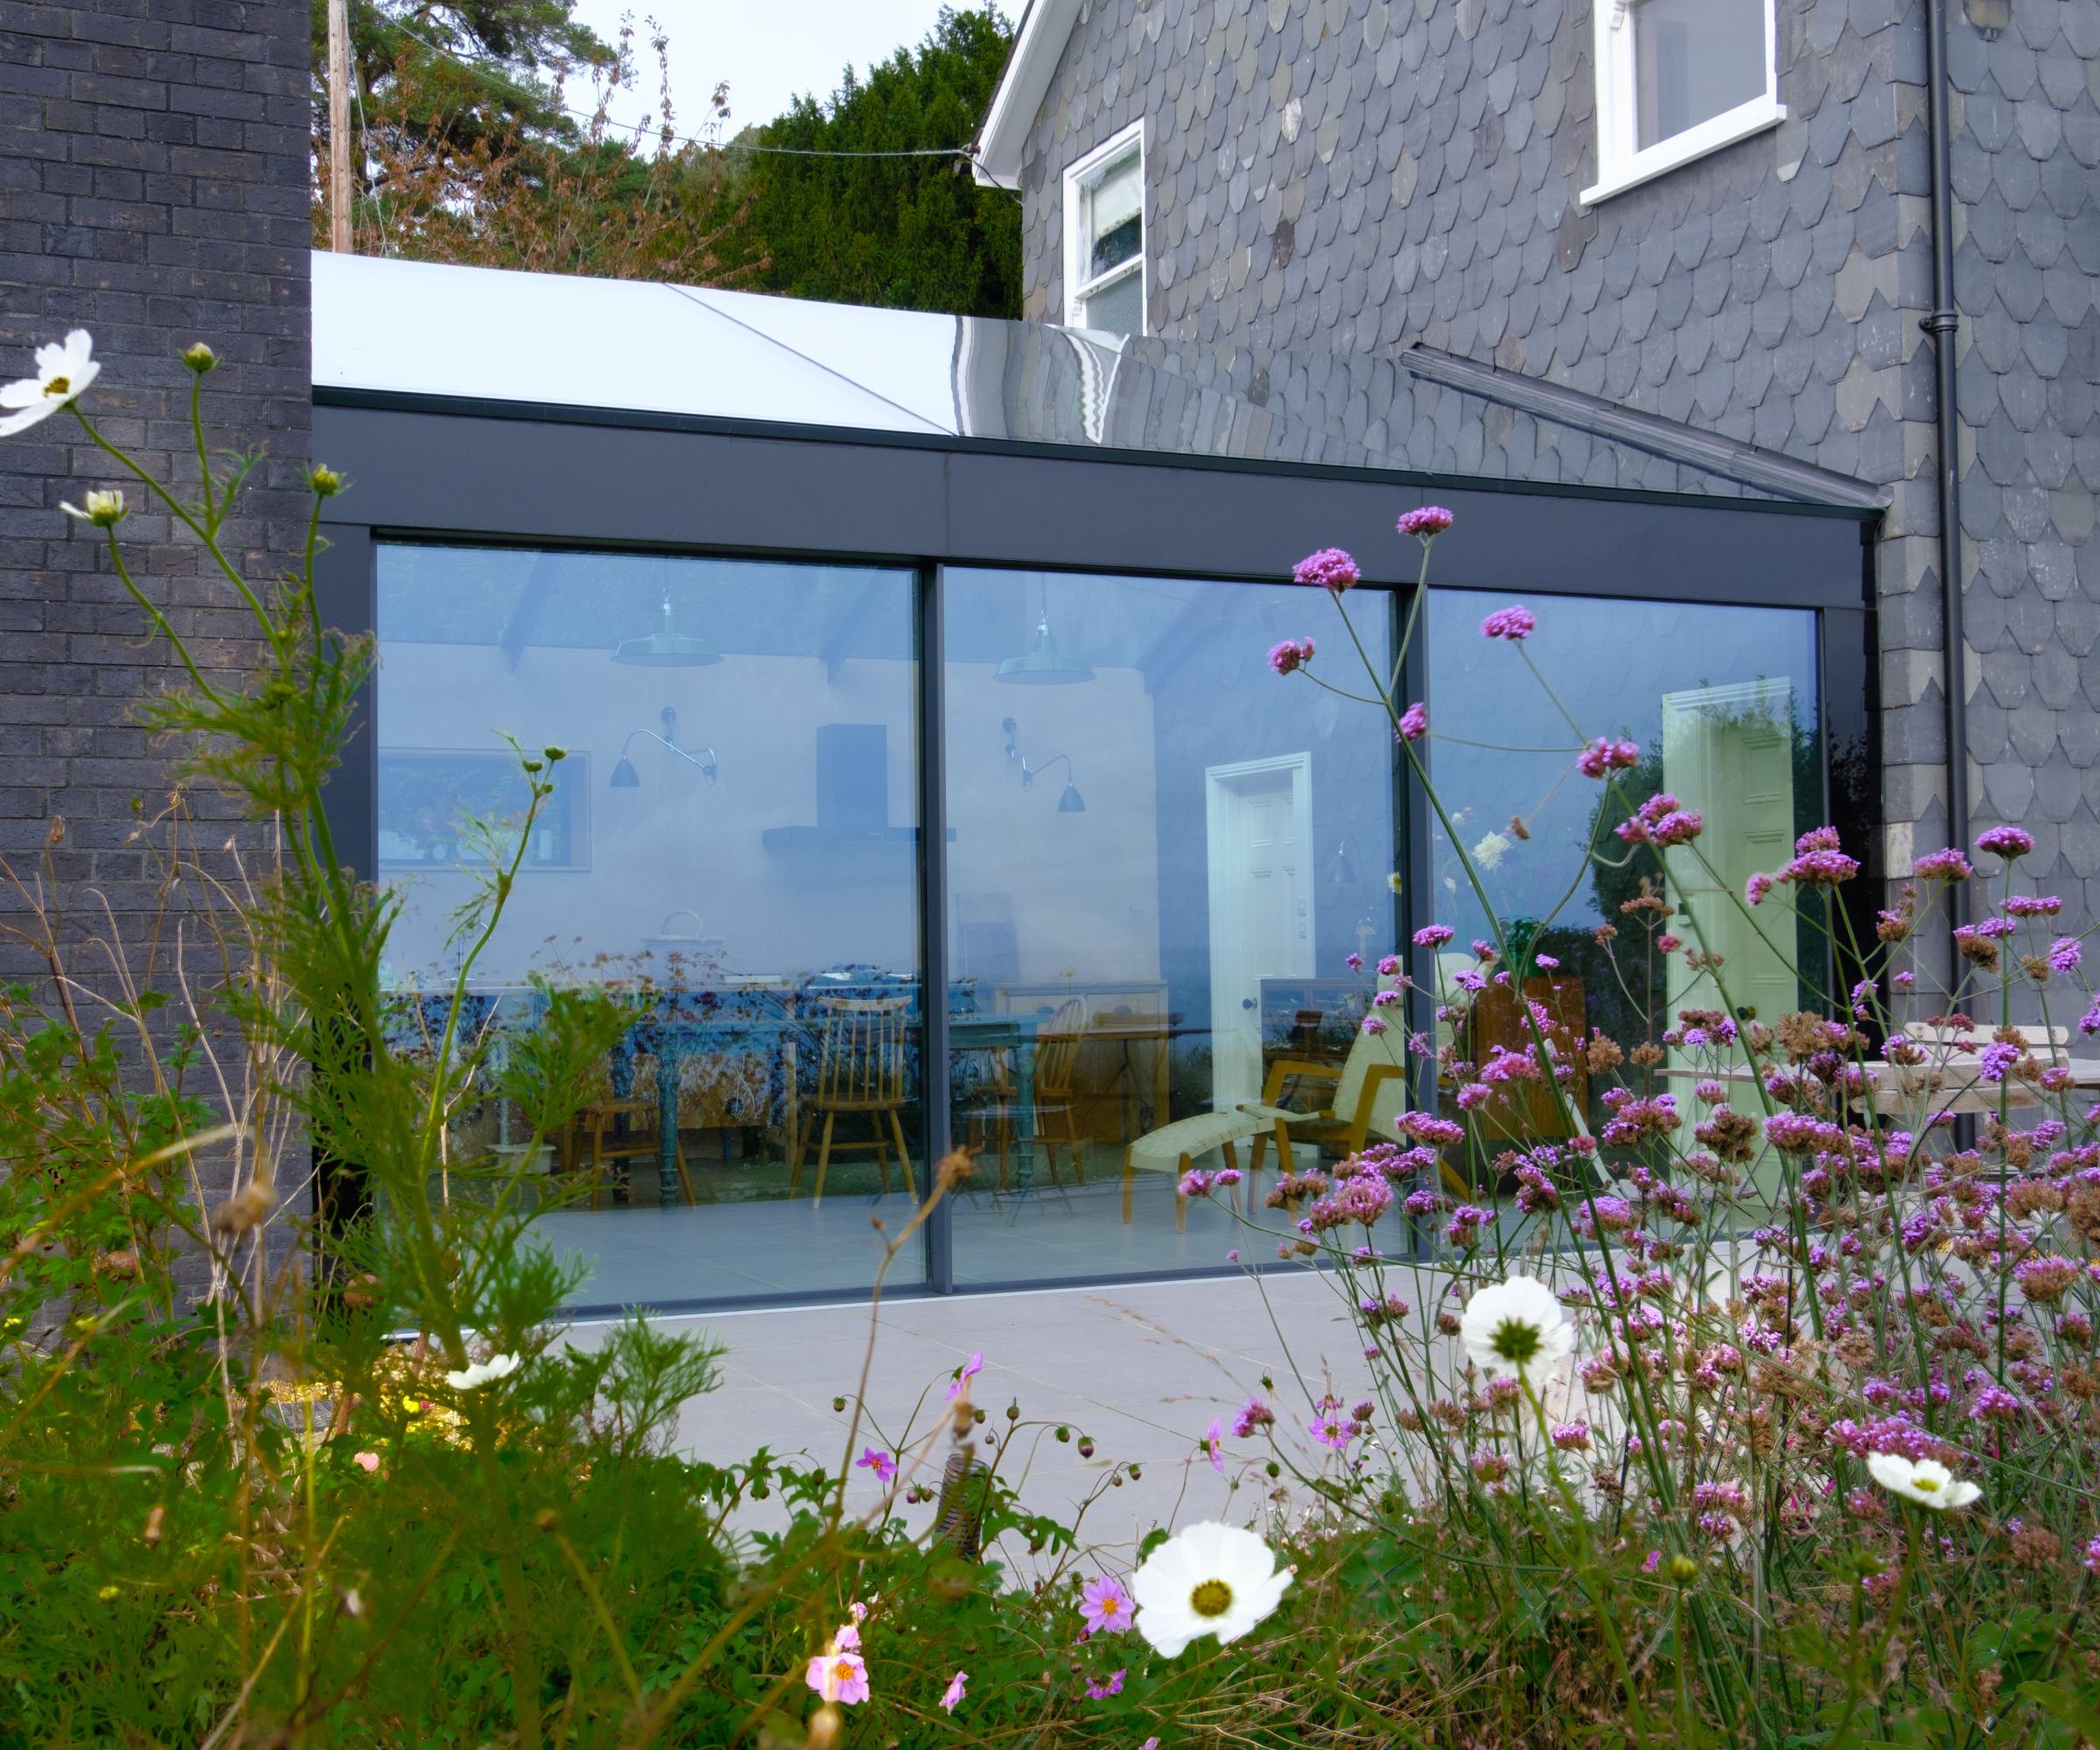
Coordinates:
[1678,79]
[1104,236]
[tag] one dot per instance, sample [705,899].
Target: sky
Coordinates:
[769,50]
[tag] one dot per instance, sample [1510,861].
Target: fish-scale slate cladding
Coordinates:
[1351,176]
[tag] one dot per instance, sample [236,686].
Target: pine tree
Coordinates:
[906,233]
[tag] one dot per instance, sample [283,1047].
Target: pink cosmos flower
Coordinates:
[1514,624]
[2007,842]
[953,1694]
[1942,865]
[839,1677]
[975,1365]
[1330,568]
[1292,653]
[1427,523]
[1106,1605]
[1101,1691]
[1332,1429]
[1414,722]
[882,1464]
[367,1461]
[1214,1443]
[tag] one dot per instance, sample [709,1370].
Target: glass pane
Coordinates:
[1720,705]
[1118,308]
[1164,856]
[1115,222]
[743,876]
[1696,59]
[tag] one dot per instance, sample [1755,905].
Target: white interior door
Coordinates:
[1260,819]
[1728,752]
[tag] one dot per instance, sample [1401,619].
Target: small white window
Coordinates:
[1678,79]
[1104,236]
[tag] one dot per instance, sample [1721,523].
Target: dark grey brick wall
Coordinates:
[153,190]
[1355,175]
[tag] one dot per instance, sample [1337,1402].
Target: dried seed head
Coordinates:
[122,1265]
[246,1210]
[156,1520]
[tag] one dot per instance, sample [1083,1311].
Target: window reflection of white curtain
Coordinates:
[1728,753]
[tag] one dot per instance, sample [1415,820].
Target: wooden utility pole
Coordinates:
[339,126]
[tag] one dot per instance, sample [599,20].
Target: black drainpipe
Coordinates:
[1941,325]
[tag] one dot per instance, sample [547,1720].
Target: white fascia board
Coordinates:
[1038,46]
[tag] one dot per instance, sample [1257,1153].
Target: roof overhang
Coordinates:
[1038,45]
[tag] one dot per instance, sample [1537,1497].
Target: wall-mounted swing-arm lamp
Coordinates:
[1070,802]
[624,775]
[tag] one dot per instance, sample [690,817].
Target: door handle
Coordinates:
[1246,1002]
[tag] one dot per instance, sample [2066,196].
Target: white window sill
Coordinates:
[1711,136]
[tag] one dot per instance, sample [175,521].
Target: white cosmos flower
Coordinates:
[1212,1579]
[1517,1327]
[63,373]
[1489,852]
[480,1373]
[1924,1481]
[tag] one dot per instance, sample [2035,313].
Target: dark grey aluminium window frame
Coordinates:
[462,474]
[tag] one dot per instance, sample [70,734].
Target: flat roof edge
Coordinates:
[552,413]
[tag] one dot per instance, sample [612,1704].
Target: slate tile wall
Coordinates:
[1355,175]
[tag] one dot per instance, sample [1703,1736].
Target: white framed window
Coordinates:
[1678,79]
[1104,236]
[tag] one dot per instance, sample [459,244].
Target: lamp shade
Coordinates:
[1044,666]
[1343,871]
[624,775]
[1071,802]
[666,648]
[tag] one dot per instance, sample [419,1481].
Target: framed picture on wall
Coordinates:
[440,807]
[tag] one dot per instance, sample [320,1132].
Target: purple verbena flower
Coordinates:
[1428,522]
[1330,568]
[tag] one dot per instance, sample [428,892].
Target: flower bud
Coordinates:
[547,1520]
[324,482]
[201,358]
[105,509]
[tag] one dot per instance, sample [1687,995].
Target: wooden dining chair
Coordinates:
[612,1129]
[1057,1050]
[859,1070]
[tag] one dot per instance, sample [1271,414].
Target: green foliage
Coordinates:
[904,233]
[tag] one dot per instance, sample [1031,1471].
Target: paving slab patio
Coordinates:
[1143,1368]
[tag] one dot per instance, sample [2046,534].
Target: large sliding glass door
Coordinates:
[731,852]
[1165,859]
[1170,877]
